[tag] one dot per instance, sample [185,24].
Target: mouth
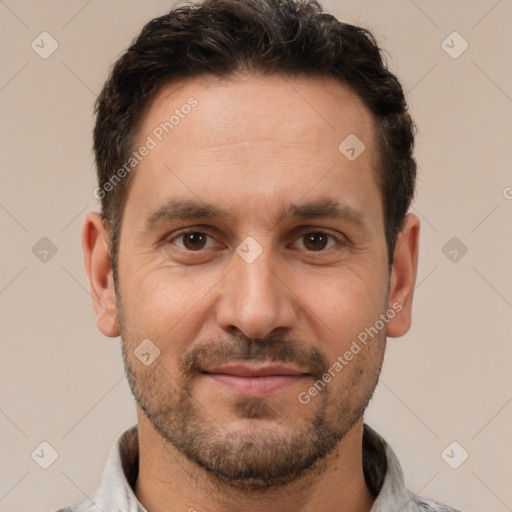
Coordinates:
[257,380]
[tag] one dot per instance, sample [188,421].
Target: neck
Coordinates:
[169,482]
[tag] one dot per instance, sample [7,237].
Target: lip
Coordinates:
[258,380]
[255,370]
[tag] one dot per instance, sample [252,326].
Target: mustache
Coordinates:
[272,348]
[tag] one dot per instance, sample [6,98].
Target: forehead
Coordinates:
[260,133]
[308,110]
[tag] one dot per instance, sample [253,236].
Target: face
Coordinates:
[253,257]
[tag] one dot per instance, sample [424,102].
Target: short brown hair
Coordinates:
[224,37]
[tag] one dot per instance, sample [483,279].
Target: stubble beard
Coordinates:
[266,452]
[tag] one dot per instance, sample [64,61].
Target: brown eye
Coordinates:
[316,241]
[193,241]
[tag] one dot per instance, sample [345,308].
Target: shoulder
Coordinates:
[92,504]
[429,505]
[81,506]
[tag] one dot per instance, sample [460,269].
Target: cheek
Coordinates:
[344,306]
[166,305]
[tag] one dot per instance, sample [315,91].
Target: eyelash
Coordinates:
[301,235]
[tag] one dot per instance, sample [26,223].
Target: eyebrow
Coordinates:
[325,208]
[192,209]
[185,209]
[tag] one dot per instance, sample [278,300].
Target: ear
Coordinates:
[99,270]
[403,276]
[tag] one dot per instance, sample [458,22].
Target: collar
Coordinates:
[382,472]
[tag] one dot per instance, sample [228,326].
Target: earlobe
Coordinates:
[403,276]
[99,271]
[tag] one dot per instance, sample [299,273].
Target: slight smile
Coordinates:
[256,380]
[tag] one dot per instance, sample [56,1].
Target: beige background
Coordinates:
[448,380]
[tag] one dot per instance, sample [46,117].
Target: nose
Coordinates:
[256,298]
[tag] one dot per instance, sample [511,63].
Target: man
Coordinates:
[254,251]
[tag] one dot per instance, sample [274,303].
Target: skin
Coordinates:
[253,146]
